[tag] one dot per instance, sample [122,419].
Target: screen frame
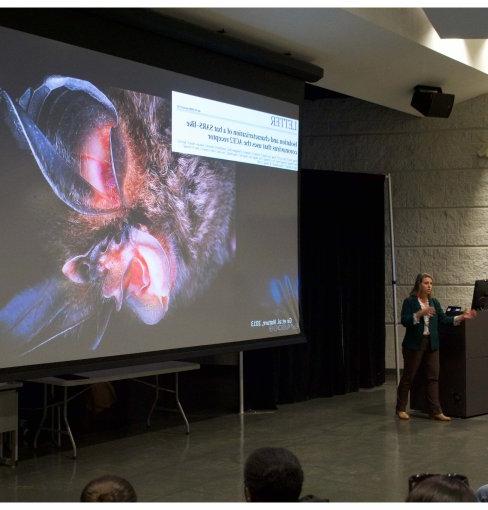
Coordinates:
[84,365]
[143,36]
[291,92]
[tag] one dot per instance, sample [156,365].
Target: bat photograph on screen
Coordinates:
[142,210]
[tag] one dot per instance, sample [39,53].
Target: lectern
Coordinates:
[463,378]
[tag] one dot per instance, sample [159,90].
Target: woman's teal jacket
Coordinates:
[414,332]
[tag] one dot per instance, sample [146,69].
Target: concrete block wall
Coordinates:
[439,181]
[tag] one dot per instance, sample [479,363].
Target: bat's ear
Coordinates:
[69,126]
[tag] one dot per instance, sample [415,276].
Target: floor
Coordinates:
[351,447]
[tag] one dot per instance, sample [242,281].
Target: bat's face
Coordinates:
[143,225]
[133,269]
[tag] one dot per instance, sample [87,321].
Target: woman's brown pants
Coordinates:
[411,363]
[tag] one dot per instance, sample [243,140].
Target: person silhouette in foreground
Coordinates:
[274,475]
[108,489]
[450,488]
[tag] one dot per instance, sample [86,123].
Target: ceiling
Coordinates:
[374,54]
[466,23]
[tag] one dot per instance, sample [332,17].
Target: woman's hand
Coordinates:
[469,314]
[429,311]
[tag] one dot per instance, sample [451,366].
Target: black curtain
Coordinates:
[342,274]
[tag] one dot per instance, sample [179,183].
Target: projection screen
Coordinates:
[141,210]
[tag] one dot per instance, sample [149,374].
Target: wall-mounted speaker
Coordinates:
[432,102]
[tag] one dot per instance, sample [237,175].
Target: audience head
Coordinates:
[310,498]
[482,494]
[440,489]
[272,475]
[108,489]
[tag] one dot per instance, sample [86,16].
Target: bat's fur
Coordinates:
[186,202]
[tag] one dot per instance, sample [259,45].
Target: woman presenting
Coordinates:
[421,314]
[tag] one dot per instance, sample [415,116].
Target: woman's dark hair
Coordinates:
[273,475]
[441,489]
[416,286]
[108,489]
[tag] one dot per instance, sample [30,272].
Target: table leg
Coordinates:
[58,424]
[156,398]
[52,413]
[43,419]
[66,423]
[15,446]
[177,397]
[12,448]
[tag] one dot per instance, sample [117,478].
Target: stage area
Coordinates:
[351,447]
